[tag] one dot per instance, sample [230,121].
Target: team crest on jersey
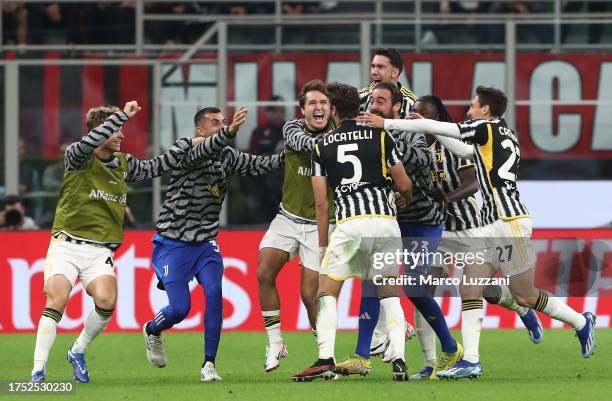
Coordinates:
[439,156]
[213,189]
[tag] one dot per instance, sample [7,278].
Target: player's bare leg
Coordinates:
[327,321]
[271,261]
[57,291]
[309,286]
[103,290]
[526,294]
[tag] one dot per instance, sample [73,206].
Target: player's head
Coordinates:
[95,117]
[386,100]
[431,107]
[386,66]
[208,121]
[344,100]
[314,103]
[487,103]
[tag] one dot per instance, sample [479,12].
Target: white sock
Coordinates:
[427,339]
[396,325]
[272,322]
[507,301]
[94,324]
[558,310]
[472,313]
[45,337]
[381,326]
[327,321]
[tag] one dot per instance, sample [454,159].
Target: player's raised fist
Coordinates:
[131,108]
[238,120]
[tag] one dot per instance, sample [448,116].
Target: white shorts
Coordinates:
[508,245]
[73,261]
[296,239]
[461,245]
[355,246]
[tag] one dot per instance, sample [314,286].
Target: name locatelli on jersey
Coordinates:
[347,136]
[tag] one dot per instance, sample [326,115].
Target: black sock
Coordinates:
[149,332]
[208,359]
[328,361]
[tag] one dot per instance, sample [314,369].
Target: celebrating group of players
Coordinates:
[367,173]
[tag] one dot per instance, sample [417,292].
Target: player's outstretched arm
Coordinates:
[242,163]
[294,137]
[79,152]
[457,147]
[140,170]
[206,148]
[423,126]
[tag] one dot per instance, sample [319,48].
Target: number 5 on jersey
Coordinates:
[343,157]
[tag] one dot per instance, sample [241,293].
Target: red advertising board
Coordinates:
[22,262]
[563,107]
[568,114]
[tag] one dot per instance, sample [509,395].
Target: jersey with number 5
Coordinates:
[497,156]
[356,159]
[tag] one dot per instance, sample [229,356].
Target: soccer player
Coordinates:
[386,66]
[421,221]
[361,164]
[88,226]
[185,245]
[507,225]
[294,229]
[456,182]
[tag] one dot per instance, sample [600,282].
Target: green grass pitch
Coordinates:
[515,369]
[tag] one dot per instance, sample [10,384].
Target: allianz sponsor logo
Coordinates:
[305,171]
[99,194]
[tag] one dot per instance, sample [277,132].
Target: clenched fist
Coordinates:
[131,108]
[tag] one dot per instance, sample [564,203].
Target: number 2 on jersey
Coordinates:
[343,157]
[504,170]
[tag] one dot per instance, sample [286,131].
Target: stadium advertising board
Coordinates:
[570,264]
[568,115]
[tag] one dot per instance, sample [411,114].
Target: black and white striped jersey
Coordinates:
[356,160]
[365,96]
[497,157]
[418,160]
[463,214]
[190,211]
[181,153]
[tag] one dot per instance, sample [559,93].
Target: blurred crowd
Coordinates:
[113,23]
